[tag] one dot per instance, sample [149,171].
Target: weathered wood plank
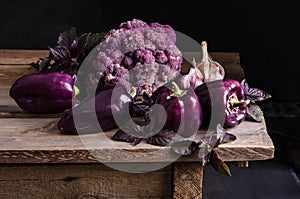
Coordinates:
[39,141]
[6,100]
[222,57]
[187,180]
[81,181]
[230,61]
[15,56]
[23,57]
[9,73]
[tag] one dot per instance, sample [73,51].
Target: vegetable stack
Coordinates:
[128,72]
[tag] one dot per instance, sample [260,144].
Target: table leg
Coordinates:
[187,180]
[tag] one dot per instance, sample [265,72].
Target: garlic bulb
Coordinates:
[210,70]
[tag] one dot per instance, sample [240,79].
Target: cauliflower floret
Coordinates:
[139,55]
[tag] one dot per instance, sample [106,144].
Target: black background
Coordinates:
[265,33]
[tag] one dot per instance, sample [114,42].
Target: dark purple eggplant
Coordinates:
[43,92]
[109,105]
[184,114]
[224,101]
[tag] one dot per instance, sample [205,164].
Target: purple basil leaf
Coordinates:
[67,38]
[218,164]
[220,136]
[134,130]
[59,53]
[147,99]
[254,94]
[223,136]
[78,46]
[129,133]
[185,147]
[245,85]
[137,141]
[120,135]
[163,138]
[70,52]
[43,64]
[254,112]
[228,137]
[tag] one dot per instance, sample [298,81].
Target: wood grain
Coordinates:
[23,58]
[81,181]
[15,56]
[39,141]
[187,180]
[9,73]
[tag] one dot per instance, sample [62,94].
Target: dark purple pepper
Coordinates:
[108,110]
[184,114]
[43,92]
[226,99]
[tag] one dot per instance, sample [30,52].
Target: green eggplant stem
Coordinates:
[177,92]
[77,91]
[236,103]
[132,91]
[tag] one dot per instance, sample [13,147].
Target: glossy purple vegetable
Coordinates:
[43,92]
[108,110]
[184,114]
[226,99]
[136,54]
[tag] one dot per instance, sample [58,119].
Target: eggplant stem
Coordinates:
[234,104]
[132,91]
[177,92]
[240,103]
[77,91]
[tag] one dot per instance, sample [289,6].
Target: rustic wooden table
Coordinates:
[37,161]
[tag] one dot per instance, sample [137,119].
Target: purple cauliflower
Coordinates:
[137,55]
